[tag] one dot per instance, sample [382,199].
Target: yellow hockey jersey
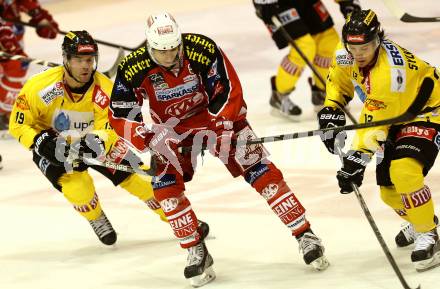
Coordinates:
[387,91]
[44,103]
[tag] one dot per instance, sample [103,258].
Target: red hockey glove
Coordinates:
[46,26]
[226,138]
[8,41]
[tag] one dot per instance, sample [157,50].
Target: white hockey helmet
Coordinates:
[163,33]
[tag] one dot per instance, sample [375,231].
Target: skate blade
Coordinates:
[207,276]
[320,264]
[425,265]
[277,113]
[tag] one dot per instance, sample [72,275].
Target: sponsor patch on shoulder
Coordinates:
[343,58]
[49,93]
[100,98]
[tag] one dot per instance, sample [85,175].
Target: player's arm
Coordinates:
[339,88]
[124,113]
[23,117]
[223,88]
[46,26]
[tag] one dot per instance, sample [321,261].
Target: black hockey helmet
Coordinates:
[361,27]
[79,43]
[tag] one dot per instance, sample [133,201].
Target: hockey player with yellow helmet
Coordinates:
[65,107]
[388,79]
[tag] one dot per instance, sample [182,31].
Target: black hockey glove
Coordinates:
[48,145]
[265,9]
[332,117]
[348,6]
[352,171]
[90,146]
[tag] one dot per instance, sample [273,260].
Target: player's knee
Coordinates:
[407,175]
[138,186]
[77,187]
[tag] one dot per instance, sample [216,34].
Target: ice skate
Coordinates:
[104,230]
[407,235]
[282,105]
[313,251]
[198,268]
[426,254]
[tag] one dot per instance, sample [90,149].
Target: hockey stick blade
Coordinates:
[112,71]
[319,132]
[413,19]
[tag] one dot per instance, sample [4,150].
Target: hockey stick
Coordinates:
[64,33]
[373,225]
[120,167]
[335,130]
[109,73]
[289,39]
[405,17]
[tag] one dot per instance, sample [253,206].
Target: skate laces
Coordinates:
[424,240]
[408,231]
[195,254]
[309,242]
[287,104]
[101,226]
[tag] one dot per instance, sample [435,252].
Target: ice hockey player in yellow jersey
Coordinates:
[309,24]
[388,79]
[66,107]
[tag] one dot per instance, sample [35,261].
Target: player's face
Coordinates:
[82,66]
[166,58]
[363,54]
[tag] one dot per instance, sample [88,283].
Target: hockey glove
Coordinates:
[348,6]
[46,26]
[8,41]
[226,138]
[90,146]
[329,117]
[265,9]
[352,171]
[48,145]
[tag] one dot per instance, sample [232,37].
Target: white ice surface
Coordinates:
[45,244]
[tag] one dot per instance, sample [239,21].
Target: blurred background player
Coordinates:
[194,92]
[13,72]
[69,104]
[388,79]
[310,25]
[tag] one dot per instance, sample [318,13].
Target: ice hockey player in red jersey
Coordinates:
[195,97]
[13,72]
[310,25]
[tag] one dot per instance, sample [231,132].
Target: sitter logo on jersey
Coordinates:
[178,91]
[373,104]
[68,120]
[100,98]
[49,93]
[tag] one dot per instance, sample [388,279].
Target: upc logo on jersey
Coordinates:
[100,98]
[62,122]
[48,94]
